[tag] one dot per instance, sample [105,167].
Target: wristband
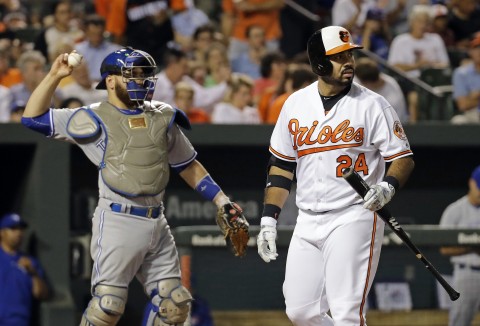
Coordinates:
[207,188]
[393,181]
[271,211]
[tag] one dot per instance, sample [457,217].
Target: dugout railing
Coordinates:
[434,88]
[208,266]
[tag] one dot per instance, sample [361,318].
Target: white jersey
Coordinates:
[362,130]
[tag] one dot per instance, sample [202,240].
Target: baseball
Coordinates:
[74,59]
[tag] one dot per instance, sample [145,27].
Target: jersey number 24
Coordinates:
[345,161]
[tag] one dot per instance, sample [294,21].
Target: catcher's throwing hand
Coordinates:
[234,227]
[378,196]
[267,249]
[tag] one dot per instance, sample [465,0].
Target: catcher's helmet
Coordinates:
[112,65]
[325,42]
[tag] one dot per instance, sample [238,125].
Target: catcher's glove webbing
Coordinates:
[234,227]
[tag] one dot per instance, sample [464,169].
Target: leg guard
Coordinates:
[171,303]
[106,307]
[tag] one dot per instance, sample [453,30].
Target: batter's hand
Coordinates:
[267,249]
[378,196]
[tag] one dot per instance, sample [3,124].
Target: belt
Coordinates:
[473,268]
[149,212]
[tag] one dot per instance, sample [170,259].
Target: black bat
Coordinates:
[361,187]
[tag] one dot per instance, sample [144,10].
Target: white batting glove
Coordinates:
[267,249]
[378,196]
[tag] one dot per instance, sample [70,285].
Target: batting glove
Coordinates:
[378,196]
[267,249]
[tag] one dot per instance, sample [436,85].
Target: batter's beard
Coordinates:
[123,96]
[336,81]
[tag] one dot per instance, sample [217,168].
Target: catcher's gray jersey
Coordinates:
[180,152]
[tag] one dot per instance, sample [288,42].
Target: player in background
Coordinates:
[323,128]
[133,142]
[464,213]
[22,279]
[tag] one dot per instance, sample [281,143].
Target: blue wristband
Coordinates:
[207,188]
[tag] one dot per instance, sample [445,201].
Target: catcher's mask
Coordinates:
[137,69]
[326,42]
[139,74]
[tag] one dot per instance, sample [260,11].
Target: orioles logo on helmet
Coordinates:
[344,36]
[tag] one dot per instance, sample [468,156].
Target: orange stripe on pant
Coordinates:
[365,290]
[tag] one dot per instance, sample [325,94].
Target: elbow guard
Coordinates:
[282,164]
[279,181]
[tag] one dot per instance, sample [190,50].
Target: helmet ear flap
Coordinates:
[324,67]
[319,62]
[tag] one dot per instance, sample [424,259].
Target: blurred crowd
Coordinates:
[237,61]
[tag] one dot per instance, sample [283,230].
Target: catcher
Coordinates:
[134,142]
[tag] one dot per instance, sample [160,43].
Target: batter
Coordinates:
[322,129]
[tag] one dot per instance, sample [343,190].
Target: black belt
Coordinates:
[149,212]
[473,268]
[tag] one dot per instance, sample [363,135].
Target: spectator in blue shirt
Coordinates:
[21,276]
[375,35]
[96,46]
[32,67]
[248,63]
[466,86]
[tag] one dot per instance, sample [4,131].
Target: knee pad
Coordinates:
[106,307]
[171,301]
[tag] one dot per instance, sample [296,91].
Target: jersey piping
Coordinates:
[285,157]
[404,153]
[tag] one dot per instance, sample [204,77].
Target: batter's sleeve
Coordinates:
[281,142]
[389,136]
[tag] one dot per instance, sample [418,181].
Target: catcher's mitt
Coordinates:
[234,227]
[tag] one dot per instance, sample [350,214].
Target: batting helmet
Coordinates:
[325,42]
[112,65]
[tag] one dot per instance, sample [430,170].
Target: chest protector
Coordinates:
[135,162]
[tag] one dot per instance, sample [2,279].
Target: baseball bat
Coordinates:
[361,187]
